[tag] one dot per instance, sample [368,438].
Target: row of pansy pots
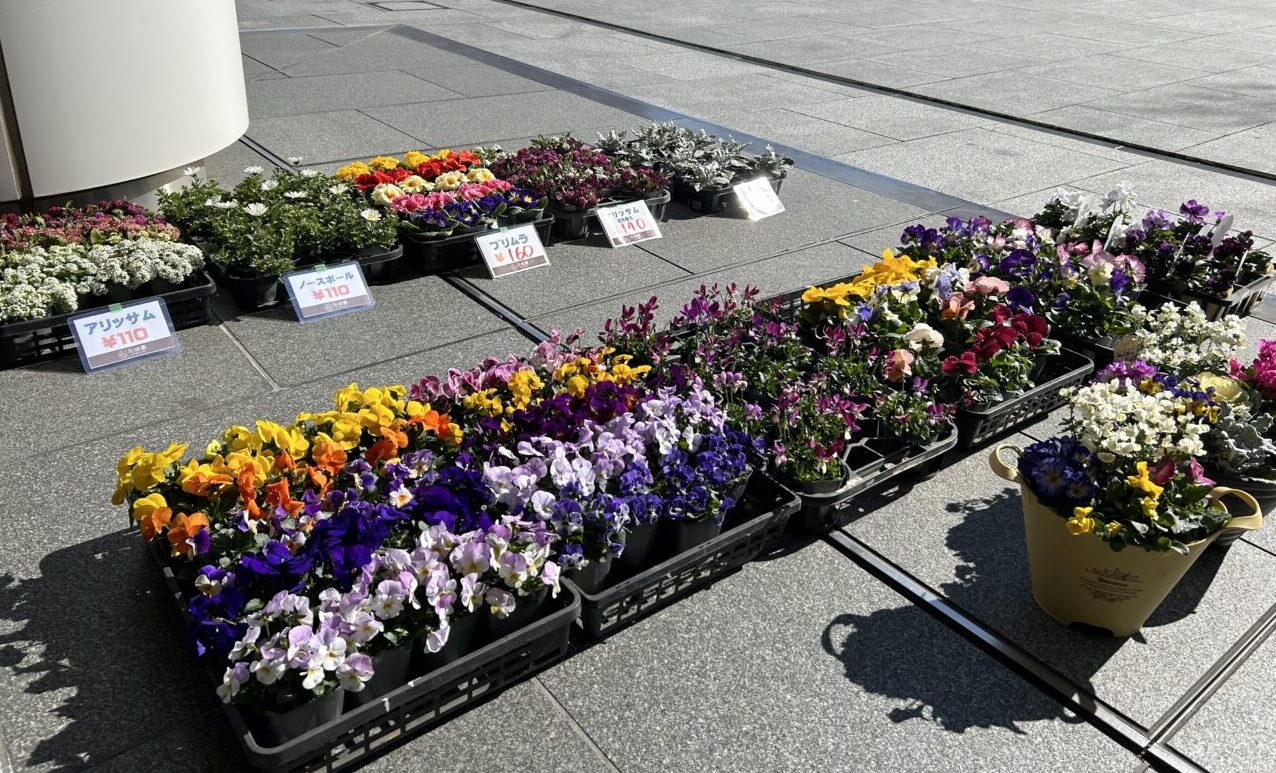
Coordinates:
[396,522]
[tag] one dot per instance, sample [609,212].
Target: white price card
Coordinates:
[324,291]
[512,250]
[758,198]
[628,223]
[123,333]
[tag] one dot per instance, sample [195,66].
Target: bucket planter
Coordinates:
[1263,491]
[1079,579]
[390,670]
[277,728]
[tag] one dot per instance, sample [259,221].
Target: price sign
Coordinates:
[327,291]
[512,250]
[758,198]
[123,333]
[628,223]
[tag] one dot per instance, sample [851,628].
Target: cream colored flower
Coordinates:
[385,193]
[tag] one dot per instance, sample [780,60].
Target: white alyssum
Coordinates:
[1183,341]
[1115,420]
[40,281]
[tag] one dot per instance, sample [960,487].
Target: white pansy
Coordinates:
[1184,341]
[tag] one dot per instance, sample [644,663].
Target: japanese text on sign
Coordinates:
[512,250]
[121,334]
[758,198]
[628,223]
[327,291]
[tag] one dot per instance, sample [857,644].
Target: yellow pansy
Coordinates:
[1149,507]
[384,163]
[523,385]
[485,401]
[240,438]
[623,373]
[1081,522]
[352,170]
[576,385]
[1113,528]
[1143,482]
[286,439]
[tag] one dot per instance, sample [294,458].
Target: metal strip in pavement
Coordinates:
[1233,170]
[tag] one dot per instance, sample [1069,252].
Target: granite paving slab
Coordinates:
[1249,149]
[227,166]
[473,81]
[379,53]
[813,49]
[802,131]
[1191,105]
[482,119]
[1016,93]
[817,209]
[962,534]
[1124,128]
[283,51]
[1205,54]
[804,662]
[579,272]
[896,74]
[980,164]
[738,93]
[325,93]
[333,136]
[956,61]
[1233,730]
[408,317]
[900,119]
[209,370]
[1109,71]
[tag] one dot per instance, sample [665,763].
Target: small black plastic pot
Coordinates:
[251,291]
[685,535]
[638,544]
[593,576]
[390,670]
[276,728]
[461,641]
[526,611]
[381,265]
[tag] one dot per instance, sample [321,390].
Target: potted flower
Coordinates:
[1240,449]
[1182,340]
[1118,509]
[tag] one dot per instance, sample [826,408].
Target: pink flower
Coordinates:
[1198,473]
[956,307]
[987,285]
[407,203]
[899,364]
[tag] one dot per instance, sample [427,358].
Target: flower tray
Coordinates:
[760,517]
[366,732]
[871,463]
[977,425]
[1240,301]
[578,225]
[47,338]
[712,200]
[435,256]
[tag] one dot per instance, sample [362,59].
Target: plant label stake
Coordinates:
[512,250]
[758,198]
[628,223]
[324,291]
[122,334]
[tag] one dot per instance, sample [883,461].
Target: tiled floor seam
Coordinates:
[576,726]
[257,366]
[1028,122]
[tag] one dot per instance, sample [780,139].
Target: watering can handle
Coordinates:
[999,465]
[1245,522]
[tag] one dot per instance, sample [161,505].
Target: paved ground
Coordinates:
[800,662]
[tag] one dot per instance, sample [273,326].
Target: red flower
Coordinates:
[1001,314]
[965,363]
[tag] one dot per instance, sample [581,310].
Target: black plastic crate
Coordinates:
[435,256]
[1065,369]
[569,226]
[760,517]
[873,462]
[48,338]
[712,200]
[1240,301]
[370,730]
